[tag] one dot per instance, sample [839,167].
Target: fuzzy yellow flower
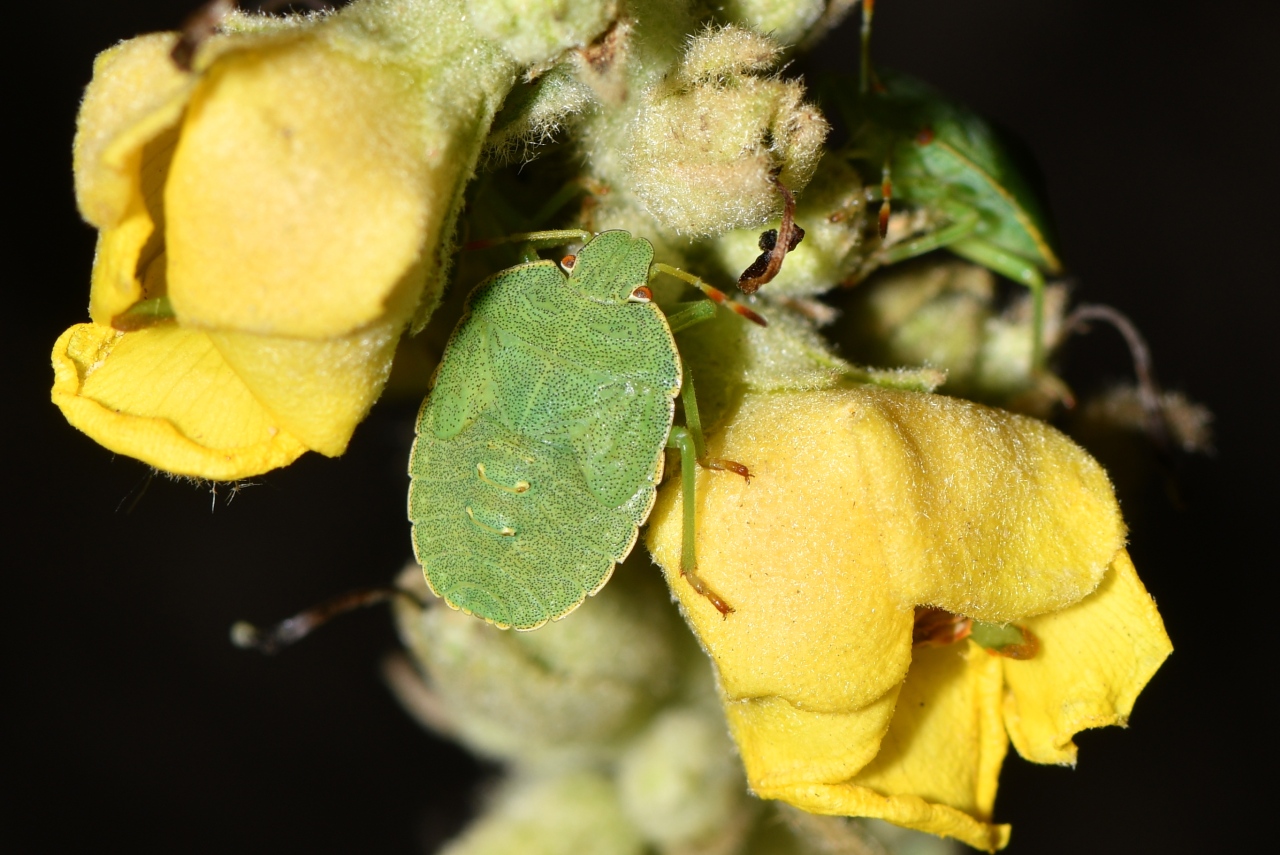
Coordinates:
[865,505]
[268,223]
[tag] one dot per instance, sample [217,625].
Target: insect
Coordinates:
[541,444]
[939,156]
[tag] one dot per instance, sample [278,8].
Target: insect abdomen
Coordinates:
[507,529]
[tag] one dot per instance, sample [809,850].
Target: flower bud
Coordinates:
[571,688]
[946,314]
[706,146]
[786,20]
[534,31]
[680,782]
[556,814]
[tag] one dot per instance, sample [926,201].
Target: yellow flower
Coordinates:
[286,206]
[866,504]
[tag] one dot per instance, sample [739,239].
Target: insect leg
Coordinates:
[1019,270]
[566,194]
[693,423]
[542,240]
[715,294]
[681,440]
[886,201]
[864,79]
[688,314]
[963,221]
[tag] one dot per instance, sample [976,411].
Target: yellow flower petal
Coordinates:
[125,134]
[135,94]
[1094,659]
[866,503]
[782,745]
[947,740]
[167,397]
[797,553]
[939,762]
[302,191]
[906,810]
[979,511]
[317,390]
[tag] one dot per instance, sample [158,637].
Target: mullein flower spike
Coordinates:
[916,580]
[866,504]
[269,223]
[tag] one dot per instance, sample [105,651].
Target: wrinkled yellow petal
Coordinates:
[947,740]
[136,93]
[906,810]
[979,511]
[319,390]
[782,745]
[939,763]
[167,397]
[865,503]
[125,134]
[1094,659]
[116,282]
[797,553]
[302,191]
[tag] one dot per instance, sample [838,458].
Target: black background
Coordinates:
[131,721]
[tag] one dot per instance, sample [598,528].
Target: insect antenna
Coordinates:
[543,239]
[274,638]
[886,202]
[864,79]
[714,294]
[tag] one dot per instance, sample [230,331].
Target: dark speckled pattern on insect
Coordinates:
[561,383]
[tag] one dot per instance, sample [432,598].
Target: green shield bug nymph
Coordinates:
[541,444]
[936,155]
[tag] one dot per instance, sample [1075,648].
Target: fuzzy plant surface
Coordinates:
[836,652]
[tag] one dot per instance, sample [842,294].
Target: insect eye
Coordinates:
[924,136]
[568,263]
[643,294]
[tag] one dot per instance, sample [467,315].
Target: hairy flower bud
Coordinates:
[706,146]
[533,31]
[570,689]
